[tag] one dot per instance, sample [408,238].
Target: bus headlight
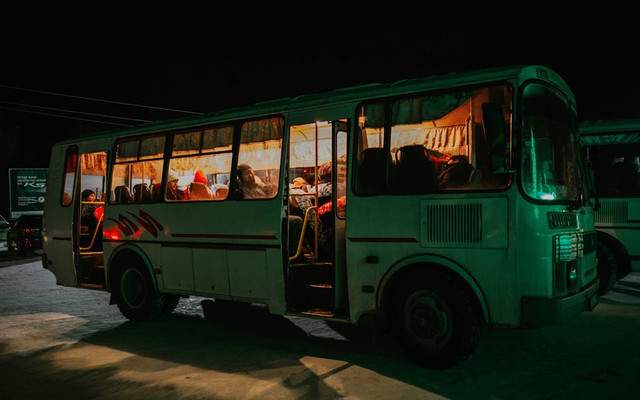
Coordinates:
[568,247]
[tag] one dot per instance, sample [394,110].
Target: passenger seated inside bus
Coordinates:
[198,189]
[251,186]
[90,222]
[302,199]
[173,193]
[457,173]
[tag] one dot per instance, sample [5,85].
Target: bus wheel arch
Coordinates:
[434,311]
[409,268]
[133,286]
[614,262]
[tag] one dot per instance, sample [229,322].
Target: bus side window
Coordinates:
[371,174]
[69,176]
[372,157]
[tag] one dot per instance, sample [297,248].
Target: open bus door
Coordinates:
[316,279]
[88,217]
[73,247]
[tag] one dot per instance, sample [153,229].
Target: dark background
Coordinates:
[69,78]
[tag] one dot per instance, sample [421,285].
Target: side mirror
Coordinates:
[496,135]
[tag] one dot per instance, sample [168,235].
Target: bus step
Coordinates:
[313,295]
[91,285]
[311,273]
[319,312]
[320,285]
[312,265]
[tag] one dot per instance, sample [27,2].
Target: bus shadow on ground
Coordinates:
[588,357]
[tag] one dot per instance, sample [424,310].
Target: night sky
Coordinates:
[199,68]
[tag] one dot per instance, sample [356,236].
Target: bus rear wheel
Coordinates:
[138,298]
[439,321]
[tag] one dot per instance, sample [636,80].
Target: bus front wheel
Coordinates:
[607,269]
[138,298]
[439,321]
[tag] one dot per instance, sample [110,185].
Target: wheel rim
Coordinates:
[428,319]
[133,289]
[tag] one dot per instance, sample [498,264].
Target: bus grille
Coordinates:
[562,220]
[612,212]
[453,223]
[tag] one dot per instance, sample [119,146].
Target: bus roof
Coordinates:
[608,132]
[347,94]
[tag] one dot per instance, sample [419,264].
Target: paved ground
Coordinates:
[67,343]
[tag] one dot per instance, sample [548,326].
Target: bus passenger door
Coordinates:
[88,218]
[317,179]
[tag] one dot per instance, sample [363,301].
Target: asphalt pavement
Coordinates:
[68,343]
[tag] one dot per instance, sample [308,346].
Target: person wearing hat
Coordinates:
[198,190]
[90,216]
[173,193]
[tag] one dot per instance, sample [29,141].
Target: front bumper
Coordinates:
[539,311]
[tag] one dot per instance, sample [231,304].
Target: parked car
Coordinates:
[4,228]
[26,234]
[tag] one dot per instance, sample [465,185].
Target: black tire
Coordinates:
[607,269]
[138,299]
[439,321]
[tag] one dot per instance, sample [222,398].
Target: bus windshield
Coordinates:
[549,153]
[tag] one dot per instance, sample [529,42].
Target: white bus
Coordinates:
[612,150]
[457,204]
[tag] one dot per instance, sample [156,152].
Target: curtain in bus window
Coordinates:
[152,147]
[427,108]
[94,164]
[218,139]
[451,140]
[262,130]
[372,116]
[186,143]
[127,151]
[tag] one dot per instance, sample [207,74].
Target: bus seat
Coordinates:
[221,193]
[415,170]
[122,195]
[199,191]
[156,192]
[141,193]
[371,176]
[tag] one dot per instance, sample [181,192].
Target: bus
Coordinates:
[430,208]
[612,151]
